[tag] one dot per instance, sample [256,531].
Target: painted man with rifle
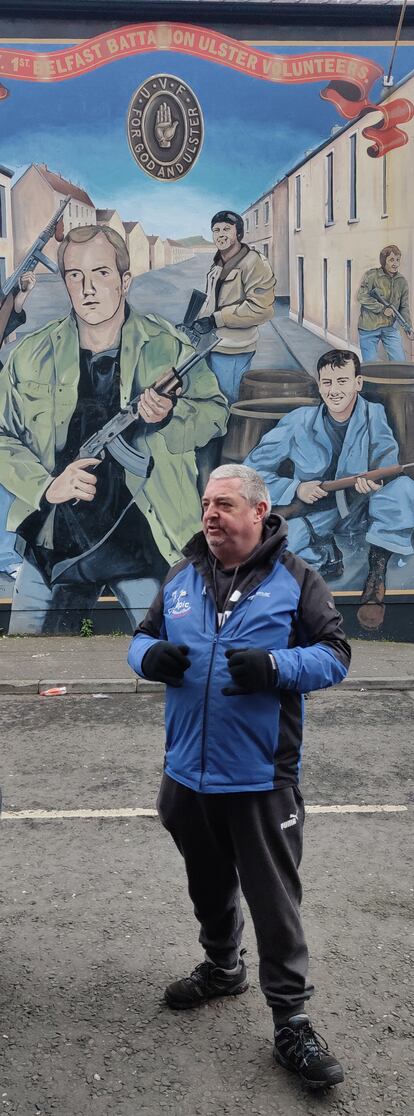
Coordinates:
[87,522]
[344,437]
[385,305]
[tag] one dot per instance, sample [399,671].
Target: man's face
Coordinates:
[392,264]
[94,285]
[229,523]
[224,235]
[339,388]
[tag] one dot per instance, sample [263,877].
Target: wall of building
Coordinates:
[350,243]
[266,154]
[138,247]
[6,229]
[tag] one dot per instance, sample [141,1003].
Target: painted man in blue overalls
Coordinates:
[344,436]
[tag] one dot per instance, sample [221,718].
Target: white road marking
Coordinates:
[140,812]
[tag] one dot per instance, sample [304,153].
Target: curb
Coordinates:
[98,686]
[95,686]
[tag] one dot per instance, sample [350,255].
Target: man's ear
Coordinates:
[126,280]
[261,509]
[359,382]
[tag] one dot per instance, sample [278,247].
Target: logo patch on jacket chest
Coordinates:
[180,606]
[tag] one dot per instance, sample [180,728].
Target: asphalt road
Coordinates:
[95,920]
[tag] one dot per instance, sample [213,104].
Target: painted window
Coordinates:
[329,189]
[353,206]
[298,201]
[348,298]
[3,223]
[384,186]
[325,294]
[266,213]
[256,217]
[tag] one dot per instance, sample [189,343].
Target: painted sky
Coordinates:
[254,132]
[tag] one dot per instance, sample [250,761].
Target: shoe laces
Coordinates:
[201,974]
[305,1043]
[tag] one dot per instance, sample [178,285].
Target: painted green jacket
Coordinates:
[38,395]
[393,288]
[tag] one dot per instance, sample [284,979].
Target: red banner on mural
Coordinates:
[350,77]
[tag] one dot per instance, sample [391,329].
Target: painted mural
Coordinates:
[206,256]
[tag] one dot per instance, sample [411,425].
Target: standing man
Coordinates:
[344,436]
[240,630]
[240,296]
[58,387]
[376,321]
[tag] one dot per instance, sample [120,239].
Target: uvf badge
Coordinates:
[165,127]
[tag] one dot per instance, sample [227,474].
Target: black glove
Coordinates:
[251,670]
[166,662]
[204,325]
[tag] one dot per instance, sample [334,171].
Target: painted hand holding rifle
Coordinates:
[153,405]
[310,492]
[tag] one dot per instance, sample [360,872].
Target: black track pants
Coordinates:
[233,840]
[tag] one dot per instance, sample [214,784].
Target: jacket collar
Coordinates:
[136,331]
[256,566]
[234,261]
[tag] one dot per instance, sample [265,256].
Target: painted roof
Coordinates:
[62,185]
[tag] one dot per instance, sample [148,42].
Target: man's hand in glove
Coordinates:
[166,662]
[204,325]
[252,671]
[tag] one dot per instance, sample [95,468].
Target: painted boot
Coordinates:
[372,608]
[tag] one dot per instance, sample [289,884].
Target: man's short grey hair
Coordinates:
[253,487]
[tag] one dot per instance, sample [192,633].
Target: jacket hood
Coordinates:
[273,542]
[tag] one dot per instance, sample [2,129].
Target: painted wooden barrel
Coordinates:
[268,383]
[393,385]
[250,419]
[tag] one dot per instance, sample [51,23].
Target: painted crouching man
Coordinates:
[344,436]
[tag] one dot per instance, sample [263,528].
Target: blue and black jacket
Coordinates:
[249,742]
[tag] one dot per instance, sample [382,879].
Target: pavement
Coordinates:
[97,664]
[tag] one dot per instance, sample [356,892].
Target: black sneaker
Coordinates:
[298,1047]
[206,982]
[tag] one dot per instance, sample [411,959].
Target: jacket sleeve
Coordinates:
[148,632]
[404,306]
[200,413]
[383,448]
[259,288]
[274,447]
[21,472]
[365,296]
[322,655]
[201,410]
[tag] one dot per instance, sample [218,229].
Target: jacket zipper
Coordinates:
[205,715]
[206,696]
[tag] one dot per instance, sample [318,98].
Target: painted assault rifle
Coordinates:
[33,257]
[109,438]
[380,298]
[299,507]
